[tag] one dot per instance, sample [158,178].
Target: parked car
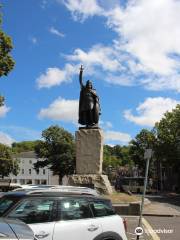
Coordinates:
[15,229]
[64,215]
[61,188]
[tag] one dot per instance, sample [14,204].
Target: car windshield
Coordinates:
[6,203]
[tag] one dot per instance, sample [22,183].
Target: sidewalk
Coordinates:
[151,208]
[160,209]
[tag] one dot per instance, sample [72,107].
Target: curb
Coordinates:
[160,215]
[127,209]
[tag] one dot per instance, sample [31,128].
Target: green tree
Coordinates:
[167,132]
[116,156]
[111,157]
[126,157]
[6,61]
[168,137]
[7,163]
[24,146]
[144,140]
[57,151]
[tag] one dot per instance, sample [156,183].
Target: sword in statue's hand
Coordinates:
[81,68]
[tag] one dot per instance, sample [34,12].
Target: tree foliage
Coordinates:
[167,132]
[116,156]
[24,146]
[57,151]
[7,163]
[6,61]
[144,140]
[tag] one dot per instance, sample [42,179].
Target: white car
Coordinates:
[61,188]
[11,229]
[55,215]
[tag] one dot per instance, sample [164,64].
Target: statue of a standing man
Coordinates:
[89,107]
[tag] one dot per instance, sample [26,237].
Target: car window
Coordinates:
[102,208]
[5,204]
[33,210]
[71,209]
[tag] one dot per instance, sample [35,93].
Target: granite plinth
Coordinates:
[89,151]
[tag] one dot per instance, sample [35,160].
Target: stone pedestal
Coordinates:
[98,182]
[89,159]
[89,151]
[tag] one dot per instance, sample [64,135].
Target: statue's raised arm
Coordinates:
[80,76]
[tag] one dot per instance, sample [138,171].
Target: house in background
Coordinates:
[27,173]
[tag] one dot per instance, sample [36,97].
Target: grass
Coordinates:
[122,198]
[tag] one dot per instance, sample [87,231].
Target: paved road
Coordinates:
[170,200]
[155,228]
[167,228]
[158,227]
[132,223]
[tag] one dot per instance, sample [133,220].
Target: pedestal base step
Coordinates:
[98,182]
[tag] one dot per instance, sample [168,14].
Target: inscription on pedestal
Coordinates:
[89,151]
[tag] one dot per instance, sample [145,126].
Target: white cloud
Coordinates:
[151,111]
[55,76]
[4,110]
[98,55]
[61,109]
[6,139]
[56,32]
[22,133]
[163,82]
[151,30]
[117,136]
[82,9]
[147,47]
[105,125]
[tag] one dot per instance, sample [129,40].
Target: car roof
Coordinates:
[51,193]
[60,188]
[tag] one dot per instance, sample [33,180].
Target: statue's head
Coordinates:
[89,84]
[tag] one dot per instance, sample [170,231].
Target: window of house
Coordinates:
[30,161]
[22,181]
[44,181]
[37,181]
[29,181]
[22,171]
[29,171]
[44,171]
[37,171]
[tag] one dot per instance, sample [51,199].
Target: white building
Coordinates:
[27,173]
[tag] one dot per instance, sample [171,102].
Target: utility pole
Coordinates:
[147,157]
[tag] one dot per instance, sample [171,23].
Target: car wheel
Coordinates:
[108,236]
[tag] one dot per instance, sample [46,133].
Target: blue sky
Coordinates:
[130,50]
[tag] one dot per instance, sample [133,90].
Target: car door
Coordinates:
[38,214]
[75,221]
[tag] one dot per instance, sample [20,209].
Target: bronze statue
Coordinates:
[89,107]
